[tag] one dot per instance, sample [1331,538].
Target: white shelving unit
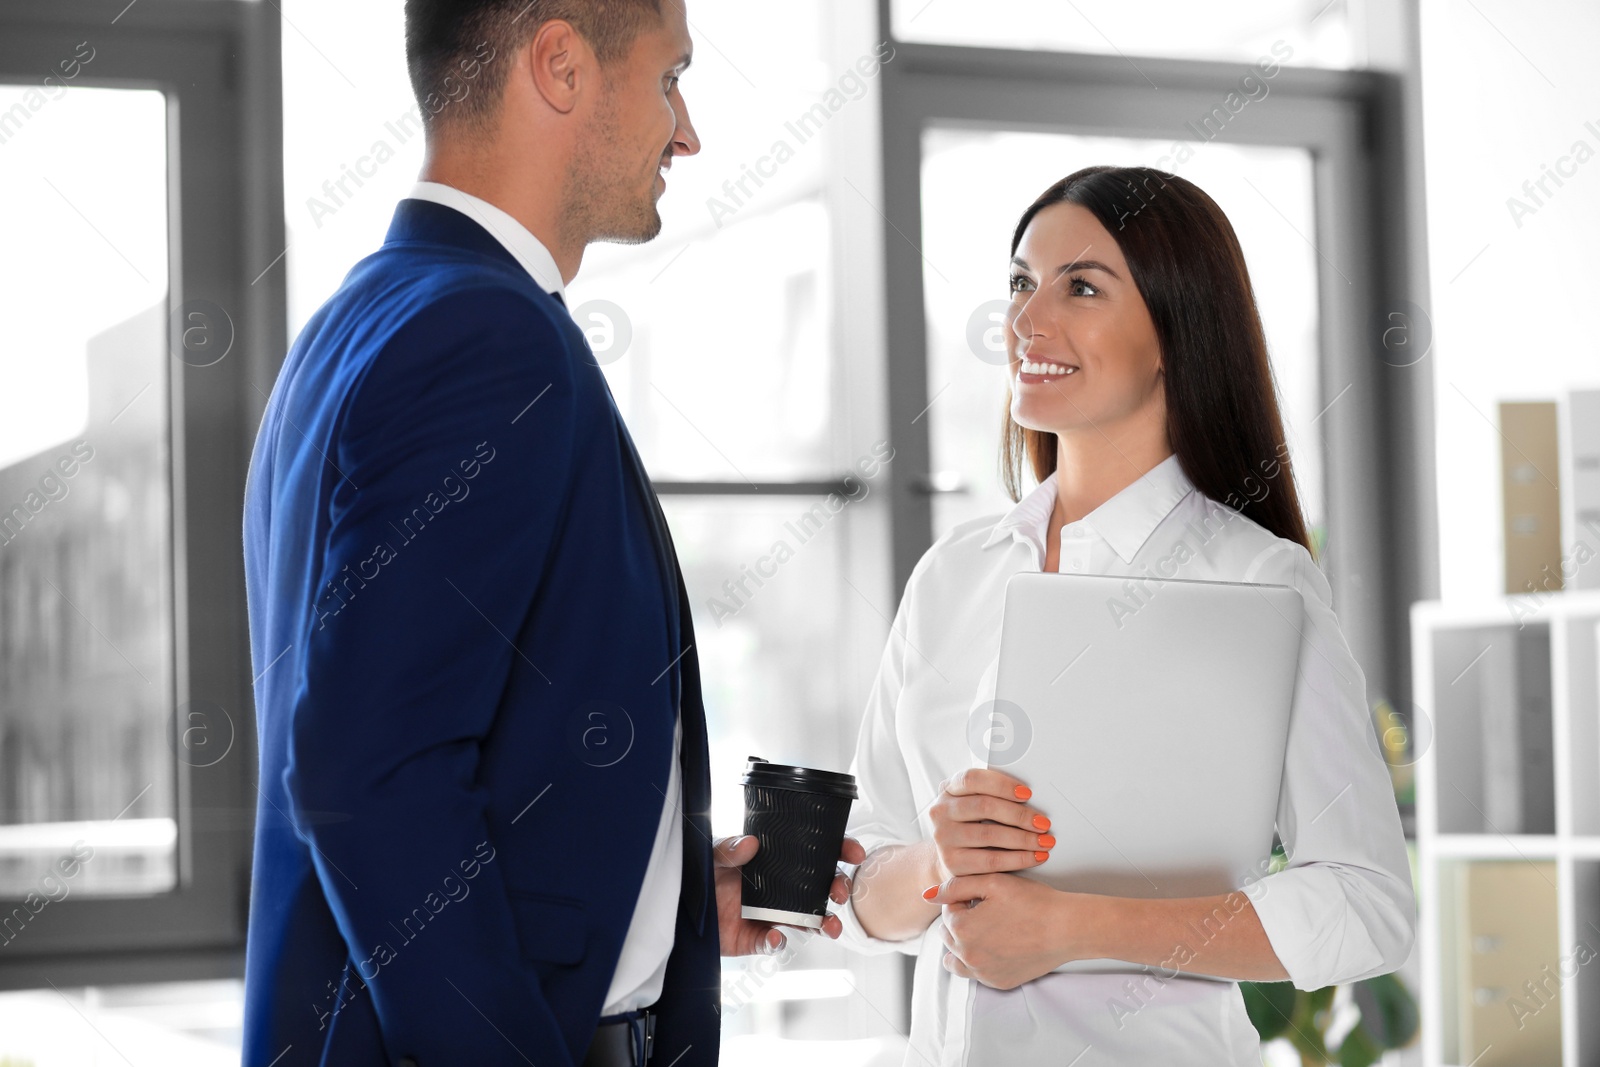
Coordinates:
[1508,694]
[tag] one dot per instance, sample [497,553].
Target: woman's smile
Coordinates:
[1039,372]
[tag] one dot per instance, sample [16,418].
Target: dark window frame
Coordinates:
[219,65]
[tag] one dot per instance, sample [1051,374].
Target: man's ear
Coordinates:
[560,64]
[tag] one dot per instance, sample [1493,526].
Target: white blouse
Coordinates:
[1343,909]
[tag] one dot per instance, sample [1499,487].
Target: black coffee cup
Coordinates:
[799,815]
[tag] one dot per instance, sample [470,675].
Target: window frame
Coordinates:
[218,64]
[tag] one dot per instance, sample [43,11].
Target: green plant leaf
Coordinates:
[1307,1023]
[1322,999]
[1269,1005]
[1388,1011]
[1306,1026]
[1359,1049]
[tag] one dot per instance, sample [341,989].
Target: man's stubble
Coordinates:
[603,199]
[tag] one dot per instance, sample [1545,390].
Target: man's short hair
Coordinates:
[458,52]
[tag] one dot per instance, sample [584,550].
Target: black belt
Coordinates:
[625,1040]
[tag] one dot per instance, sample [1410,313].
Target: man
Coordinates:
[482,835]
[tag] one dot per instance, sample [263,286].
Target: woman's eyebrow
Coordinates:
[1067,268]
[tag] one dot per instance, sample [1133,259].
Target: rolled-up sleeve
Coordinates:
[886,811]
[1344,908]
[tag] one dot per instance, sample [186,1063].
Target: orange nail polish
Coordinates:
[1047,840]
[930,892]
[1041,856]
[1023,792]
[1041,822]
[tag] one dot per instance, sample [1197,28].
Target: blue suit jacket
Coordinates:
[472,642]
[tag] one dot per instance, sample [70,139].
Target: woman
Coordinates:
[1142,401]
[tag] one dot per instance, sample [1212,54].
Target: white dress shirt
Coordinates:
[517,239]
[1342,910]
[642,967]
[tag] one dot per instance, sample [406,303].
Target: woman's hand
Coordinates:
[1002,930]
[982,823]
[745,937]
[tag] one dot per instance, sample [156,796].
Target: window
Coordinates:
[86,586]
[126,733]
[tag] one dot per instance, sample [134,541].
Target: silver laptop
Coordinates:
[1150,721]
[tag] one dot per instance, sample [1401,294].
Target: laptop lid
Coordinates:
[1150,720]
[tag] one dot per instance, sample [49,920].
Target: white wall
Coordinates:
[1508,87]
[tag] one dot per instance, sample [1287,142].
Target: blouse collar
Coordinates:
[1126,521]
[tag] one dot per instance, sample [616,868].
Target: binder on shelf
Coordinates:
[1581,476]
[1508,994]
[1518,764]
[1495,761]
[1531,496]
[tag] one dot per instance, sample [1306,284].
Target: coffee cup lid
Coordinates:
[785,776]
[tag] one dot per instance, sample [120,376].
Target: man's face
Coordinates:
[640,124]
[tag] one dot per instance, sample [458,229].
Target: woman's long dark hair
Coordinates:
[1222,411]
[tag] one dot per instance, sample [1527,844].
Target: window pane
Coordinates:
[769,601]
[1308,33]
[1267,196]
[782,631]
[352,140]
[714,335]
[727,374]
[86,642]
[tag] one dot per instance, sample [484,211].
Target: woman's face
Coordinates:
[1084,352]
